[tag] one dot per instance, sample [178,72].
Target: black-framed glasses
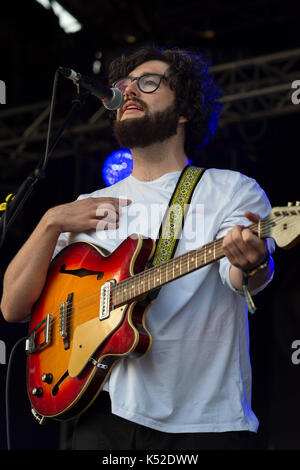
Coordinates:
[147,83]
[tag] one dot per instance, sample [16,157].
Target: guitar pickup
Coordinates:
[105,299]
[31,345]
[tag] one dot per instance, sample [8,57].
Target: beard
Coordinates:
[147,130]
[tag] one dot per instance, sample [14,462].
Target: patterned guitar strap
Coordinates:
[173,221]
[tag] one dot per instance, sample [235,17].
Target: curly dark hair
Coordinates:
[197,96]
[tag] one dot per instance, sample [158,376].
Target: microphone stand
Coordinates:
[15,205]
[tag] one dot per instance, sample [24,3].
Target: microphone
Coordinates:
[112,98]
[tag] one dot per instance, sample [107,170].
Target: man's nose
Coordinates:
[132,89]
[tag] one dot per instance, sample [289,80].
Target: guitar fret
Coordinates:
[200,260]
[157,276]
[163,276]
[194,261]
[176,268]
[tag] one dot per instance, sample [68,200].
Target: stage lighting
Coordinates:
[66,21]
[117,166]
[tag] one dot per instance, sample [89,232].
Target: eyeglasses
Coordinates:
[147,83]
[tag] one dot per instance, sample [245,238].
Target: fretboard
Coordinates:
[157,276]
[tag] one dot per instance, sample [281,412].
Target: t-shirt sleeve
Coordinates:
[247,195]
[62,242]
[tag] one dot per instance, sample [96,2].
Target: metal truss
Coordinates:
[258,88]
[253,89]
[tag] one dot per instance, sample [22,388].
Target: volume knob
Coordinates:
[47,378]
[37,391]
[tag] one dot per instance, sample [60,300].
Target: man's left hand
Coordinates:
[242,247]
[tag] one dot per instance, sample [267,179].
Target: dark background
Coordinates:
[260,140]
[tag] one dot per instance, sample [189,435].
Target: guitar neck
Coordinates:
[157,276]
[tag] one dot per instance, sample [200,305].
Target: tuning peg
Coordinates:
[297,203]
[290,204]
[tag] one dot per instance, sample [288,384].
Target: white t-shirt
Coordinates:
[197,374]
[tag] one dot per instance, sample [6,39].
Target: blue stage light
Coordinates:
[117,166]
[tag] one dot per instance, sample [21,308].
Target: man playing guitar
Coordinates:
[192,390]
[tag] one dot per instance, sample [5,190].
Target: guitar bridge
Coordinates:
[64,324]
[105,299]
[31,345]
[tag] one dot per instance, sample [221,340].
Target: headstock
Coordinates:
[283,224]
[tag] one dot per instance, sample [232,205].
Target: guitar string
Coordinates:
[166,270]
[86,307]
[183,265]
[149,272]
[184,262]
[90,305]
[82,307]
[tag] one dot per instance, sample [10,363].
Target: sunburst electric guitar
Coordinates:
[92,312]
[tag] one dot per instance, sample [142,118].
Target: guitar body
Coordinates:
[71,352]
[92,312]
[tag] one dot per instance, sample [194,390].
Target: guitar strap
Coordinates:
[173,221]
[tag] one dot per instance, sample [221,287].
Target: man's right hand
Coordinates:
[24,280]
[101,213]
